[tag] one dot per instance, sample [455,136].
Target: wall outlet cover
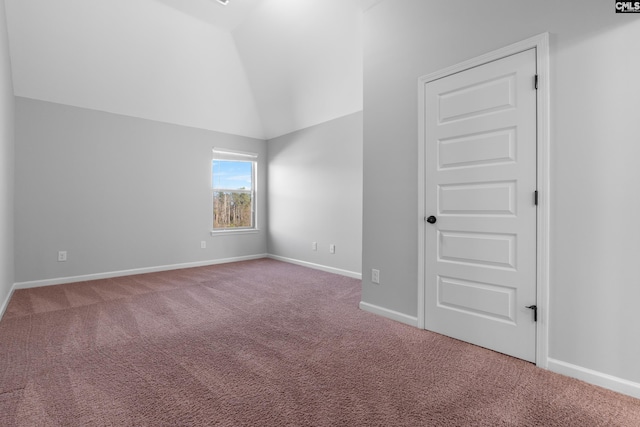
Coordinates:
[375,276]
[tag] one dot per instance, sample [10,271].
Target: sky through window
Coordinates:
[231,175]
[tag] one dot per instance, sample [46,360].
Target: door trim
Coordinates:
[541,44]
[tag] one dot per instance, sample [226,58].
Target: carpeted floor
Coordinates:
[261,343]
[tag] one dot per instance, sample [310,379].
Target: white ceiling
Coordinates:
[304,61]
[258,68]
[211,11]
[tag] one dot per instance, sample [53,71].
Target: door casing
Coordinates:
[541,44]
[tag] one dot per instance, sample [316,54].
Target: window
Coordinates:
[233,186]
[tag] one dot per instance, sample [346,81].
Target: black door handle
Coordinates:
[431,220]
[535,311]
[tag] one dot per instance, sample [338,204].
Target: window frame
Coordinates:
[220,154]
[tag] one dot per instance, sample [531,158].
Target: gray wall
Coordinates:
[594,283]
[315,194]
[6,164]
[117,193]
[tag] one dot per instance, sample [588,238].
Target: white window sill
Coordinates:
[234,232]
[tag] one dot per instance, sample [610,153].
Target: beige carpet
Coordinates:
[261,343]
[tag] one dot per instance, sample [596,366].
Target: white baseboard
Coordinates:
[594,377]
[590,376]
[5,303]
[390,314]
[339,271]
[110,274]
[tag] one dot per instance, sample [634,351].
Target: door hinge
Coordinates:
[535,82]
[535,311]
[535,197]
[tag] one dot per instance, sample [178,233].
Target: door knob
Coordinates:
[431,220]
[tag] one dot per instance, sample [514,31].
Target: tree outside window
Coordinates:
[233,183]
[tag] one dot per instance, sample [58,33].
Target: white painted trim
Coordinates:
[5,303]
[541,44]
[389,314]
[110,274]
[610,382]
[328,269]
[422,202]
[544,199]
[231,232]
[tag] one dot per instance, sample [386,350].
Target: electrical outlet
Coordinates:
[62,256]
[314,246]
[203,245]
[375,276]
[332,249]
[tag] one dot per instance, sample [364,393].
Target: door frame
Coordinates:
[541,44]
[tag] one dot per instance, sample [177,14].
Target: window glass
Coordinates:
[233,183]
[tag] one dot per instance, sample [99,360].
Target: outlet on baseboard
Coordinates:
[332,249]
[375,276]
[314,246]
[62,256]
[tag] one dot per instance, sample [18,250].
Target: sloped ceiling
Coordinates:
[258,68]
[304,61]
[211,11]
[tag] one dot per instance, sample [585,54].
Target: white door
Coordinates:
[480,145]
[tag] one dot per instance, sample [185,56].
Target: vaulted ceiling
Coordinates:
[258,68]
